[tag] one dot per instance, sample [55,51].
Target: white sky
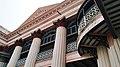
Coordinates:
[14,12]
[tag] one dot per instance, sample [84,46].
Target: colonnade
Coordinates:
[59,51]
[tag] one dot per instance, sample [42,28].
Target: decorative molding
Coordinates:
[3,36]
[19,42]
[36,34]
[60,22]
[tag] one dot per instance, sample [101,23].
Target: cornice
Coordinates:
[42,17]
[3,36]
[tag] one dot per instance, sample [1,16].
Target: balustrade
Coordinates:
[90,14]
[45,54]
[71,47]
[20,62]
[3,64]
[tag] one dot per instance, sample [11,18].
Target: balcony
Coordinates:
[89,20]
[71,47]
[88,17]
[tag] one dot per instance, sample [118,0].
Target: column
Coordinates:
[16,54]
[34,49]
[59,51]
[114,51]
[103,58]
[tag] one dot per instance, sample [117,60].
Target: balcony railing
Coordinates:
[45,54]
[71,47]
[20,62]
[89,15]
[3,64]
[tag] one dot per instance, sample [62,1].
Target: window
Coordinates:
[52,37]
[72,28]
[49,37]
[26,46]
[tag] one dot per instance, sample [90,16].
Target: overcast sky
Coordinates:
[14,12]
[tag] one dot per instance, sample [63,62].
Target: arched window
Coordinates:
[48,37]
[26,46]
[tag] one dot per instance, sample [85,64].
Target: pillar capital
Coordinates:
[60,22]
[19,42]
[36,34]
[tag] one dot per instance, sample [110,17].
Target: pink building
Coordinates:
[73,33]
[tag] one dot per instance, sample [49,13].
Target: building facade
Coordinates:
[73,33]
